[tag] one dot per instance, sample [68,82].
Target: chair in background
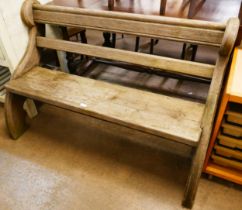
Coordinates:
[163,3]
[107,35]
[78,35]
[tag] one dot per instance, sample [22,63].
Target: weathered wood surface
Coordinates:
[138,17]
[209,167]
[15,115]
[173,118]
[178,120]
[228,42]
[27,12]
[152,61]
[210,110]
[151,26]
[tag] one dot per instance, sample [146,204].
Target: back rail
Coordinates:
[197,32]
[158,63]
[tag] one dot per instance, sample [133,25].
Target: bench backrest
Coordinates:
[189,31]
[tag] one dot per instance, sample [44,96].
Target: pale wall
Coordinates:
[13,33]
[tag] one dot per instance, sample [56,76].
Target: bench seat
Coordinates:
[169,117]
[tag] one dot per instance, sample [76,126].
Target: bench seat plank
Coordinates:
[173,118]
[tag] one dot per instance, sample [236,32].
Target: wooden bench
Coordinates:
[174,119]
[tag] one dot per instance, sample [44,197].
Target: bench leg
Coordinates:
[15,115]
[194,177]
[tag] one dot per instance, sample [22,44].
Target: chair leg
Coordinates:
[163,7]
[83,36]
[152,42]
[15,115]
[137,44]
[107,41]
[84,41]
[194,52]
[191,8]
[113,40]
[183,51]
[110,4]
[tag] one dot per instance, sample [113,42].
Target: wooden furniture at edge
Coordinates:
[232,96]
[192,6]
[162,5]
[116,108]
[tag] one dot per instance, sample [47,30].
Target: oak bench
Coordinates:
[177,120]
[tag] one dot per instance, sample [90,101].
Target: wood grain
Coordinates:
[160,115]
[209,114]
[178,120]
[15,114]
[152,61]
[228,43]
[137,17]
[27,12]
[133,27]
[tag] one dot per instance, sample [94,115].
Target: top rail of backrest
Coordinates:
[191,31]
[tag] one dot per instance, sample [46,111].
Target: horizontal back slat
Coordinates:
[138,17]
[151,61]
[199,32]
